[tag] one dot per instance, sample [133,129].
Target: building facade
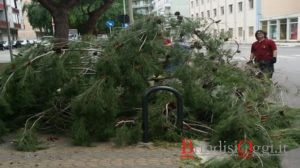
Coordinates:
[243,17]
[169,7]
[142,6]
[281,19]
[27,32]
[14,19]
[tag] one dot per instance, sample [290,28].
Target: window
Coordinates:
[230,8]
[192,4]
[197,2]
[215,12]
[283,29]
[293,29]
[222,10]
[251,31]
[197,15]
[273,29]
[208,14]
[264,26]
[230,32]
[202,2]
[202,14]
[251,5]
[240,4]
[240,31]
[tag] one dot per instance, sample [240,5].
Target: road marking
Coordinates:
[289,56]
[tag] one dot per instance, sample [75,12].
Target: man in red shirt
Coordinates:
[264,53]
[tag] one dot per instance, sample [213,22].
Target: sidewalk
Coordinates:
[283,44]
[280,44]
[61,154]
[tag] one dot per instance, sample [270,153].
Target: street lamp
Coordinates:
[8,31]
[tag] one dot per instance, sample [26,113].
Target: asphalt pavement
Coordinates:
[61,154]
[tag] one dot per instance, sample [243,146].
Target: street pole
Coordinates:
[8,31]
[124,7]
[130,11]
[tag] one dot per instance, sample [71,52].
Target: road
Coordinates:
[287,72]
[5,56]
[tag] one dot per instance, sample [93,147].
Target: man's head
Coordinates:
[260,34]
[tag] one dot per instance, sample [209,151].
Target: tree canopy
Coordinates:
[39,17]
[60,12]
[80,16]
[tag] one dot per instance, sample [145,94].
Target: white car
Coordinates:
[24,42]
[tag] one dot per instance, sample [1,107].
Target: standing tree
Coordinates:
[94,12]
[83,17]
[60,11]
[39,17]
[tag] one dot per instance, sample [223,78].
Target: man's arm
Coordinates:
[275,53]
[252,56]
[274,60]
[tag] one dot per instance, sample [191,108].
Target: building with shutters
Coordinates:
[162,7]
[243,17]
[14,19]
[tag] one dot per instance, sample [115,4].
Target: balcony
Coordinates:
[1,6]
[3,24]
[142,5]
[15,10]
[17,25]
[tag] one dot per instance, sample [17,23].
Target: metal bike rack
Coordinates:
[145,108]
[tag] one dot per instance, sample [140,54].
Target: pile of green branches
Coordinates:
[93,90]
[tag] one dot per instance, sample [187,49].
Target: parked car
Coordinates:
[6,45]
[46,40]
[23,42]
[17,44]
[2,45]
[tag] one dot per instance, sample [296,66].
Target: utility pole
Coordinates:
[124,7]
[8,31]
[130,11]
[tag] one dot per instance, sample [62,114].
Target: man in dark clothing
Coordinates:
[264,53]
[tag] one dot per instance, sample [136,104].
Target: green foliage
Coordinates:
[80,15]
[96,105]
[3,129]
[85,89]
[27,141]
[80,133]
[39,17]
[127,135]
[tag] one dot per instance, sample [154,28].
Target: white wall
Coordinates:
[235,20]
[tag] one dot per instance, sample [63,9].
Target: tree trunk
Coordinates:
[94,15]
[61,26]
[60,12]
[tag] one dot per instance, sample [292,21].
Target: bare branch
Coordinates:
[93,16]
